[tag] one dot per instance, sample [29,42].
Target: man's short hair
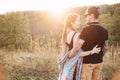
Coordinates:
[94,11]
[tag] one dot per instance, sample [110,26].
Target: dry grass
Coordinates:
[43,66]
[111,62]
[31,66]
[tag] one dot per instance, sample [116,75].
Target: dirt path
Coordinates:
[116,76]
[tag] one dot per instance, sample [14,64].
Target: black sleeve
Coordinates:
[106,35]
[83,34]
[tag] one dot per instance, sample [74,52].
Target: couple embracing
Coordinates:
[82,53]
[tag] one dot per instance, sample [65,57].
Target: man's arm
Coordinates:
[105,48]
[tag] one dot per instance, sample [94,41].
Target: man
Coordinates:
[93,34]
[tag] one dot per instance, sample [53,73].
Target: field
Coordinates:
[18,65]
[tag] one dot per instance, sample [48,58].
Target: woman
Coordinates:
[70,66]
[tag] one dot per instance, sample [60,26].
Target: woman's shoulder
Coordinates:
[70,36]
[77,34]
[76,37]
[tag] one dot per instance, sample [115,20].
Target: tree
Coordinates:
[15,30]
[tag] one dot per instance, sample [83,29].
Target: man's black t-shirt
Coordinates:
[94,34]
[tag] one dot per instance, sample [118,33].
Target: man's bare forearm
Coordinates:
[105,50]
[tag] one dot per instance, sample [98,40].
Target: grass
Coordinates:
[31,66]
[111,62]
[43,65]
[109,68]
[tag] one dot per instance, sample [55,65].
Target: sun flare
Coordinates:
[57,11]
[56,6]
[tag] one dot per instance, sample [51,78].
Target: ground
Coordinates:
[116,76]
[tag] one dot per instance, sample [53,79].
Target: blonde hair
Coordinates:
[67,24]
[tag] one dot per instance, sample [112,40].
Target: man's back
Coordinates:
[93,35]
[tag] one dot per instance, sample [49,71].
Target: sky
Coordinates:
[48,5]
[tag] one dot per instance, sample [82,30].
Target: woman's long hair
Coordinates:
[67,24]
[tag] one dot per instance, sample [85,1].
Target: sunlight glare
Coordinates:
[56,6]
[57,11]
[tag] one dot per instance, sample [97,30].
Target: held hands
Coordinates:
[96,49]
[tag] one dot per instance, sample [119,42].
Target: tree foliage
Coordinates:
[28,28]
[14,30]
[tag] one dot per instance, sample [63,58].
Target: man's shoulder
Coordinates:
[86,27]
[99,26]
[94,27]
[104,28]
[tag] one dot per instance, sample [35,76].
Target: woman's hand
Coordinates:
[96,49]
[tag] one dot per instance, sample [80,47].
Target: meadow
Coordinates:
[30,42]
[18,65]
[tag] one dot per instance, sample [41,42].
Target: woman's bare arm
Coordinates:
[77,44]
[64,49]
[91,52]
